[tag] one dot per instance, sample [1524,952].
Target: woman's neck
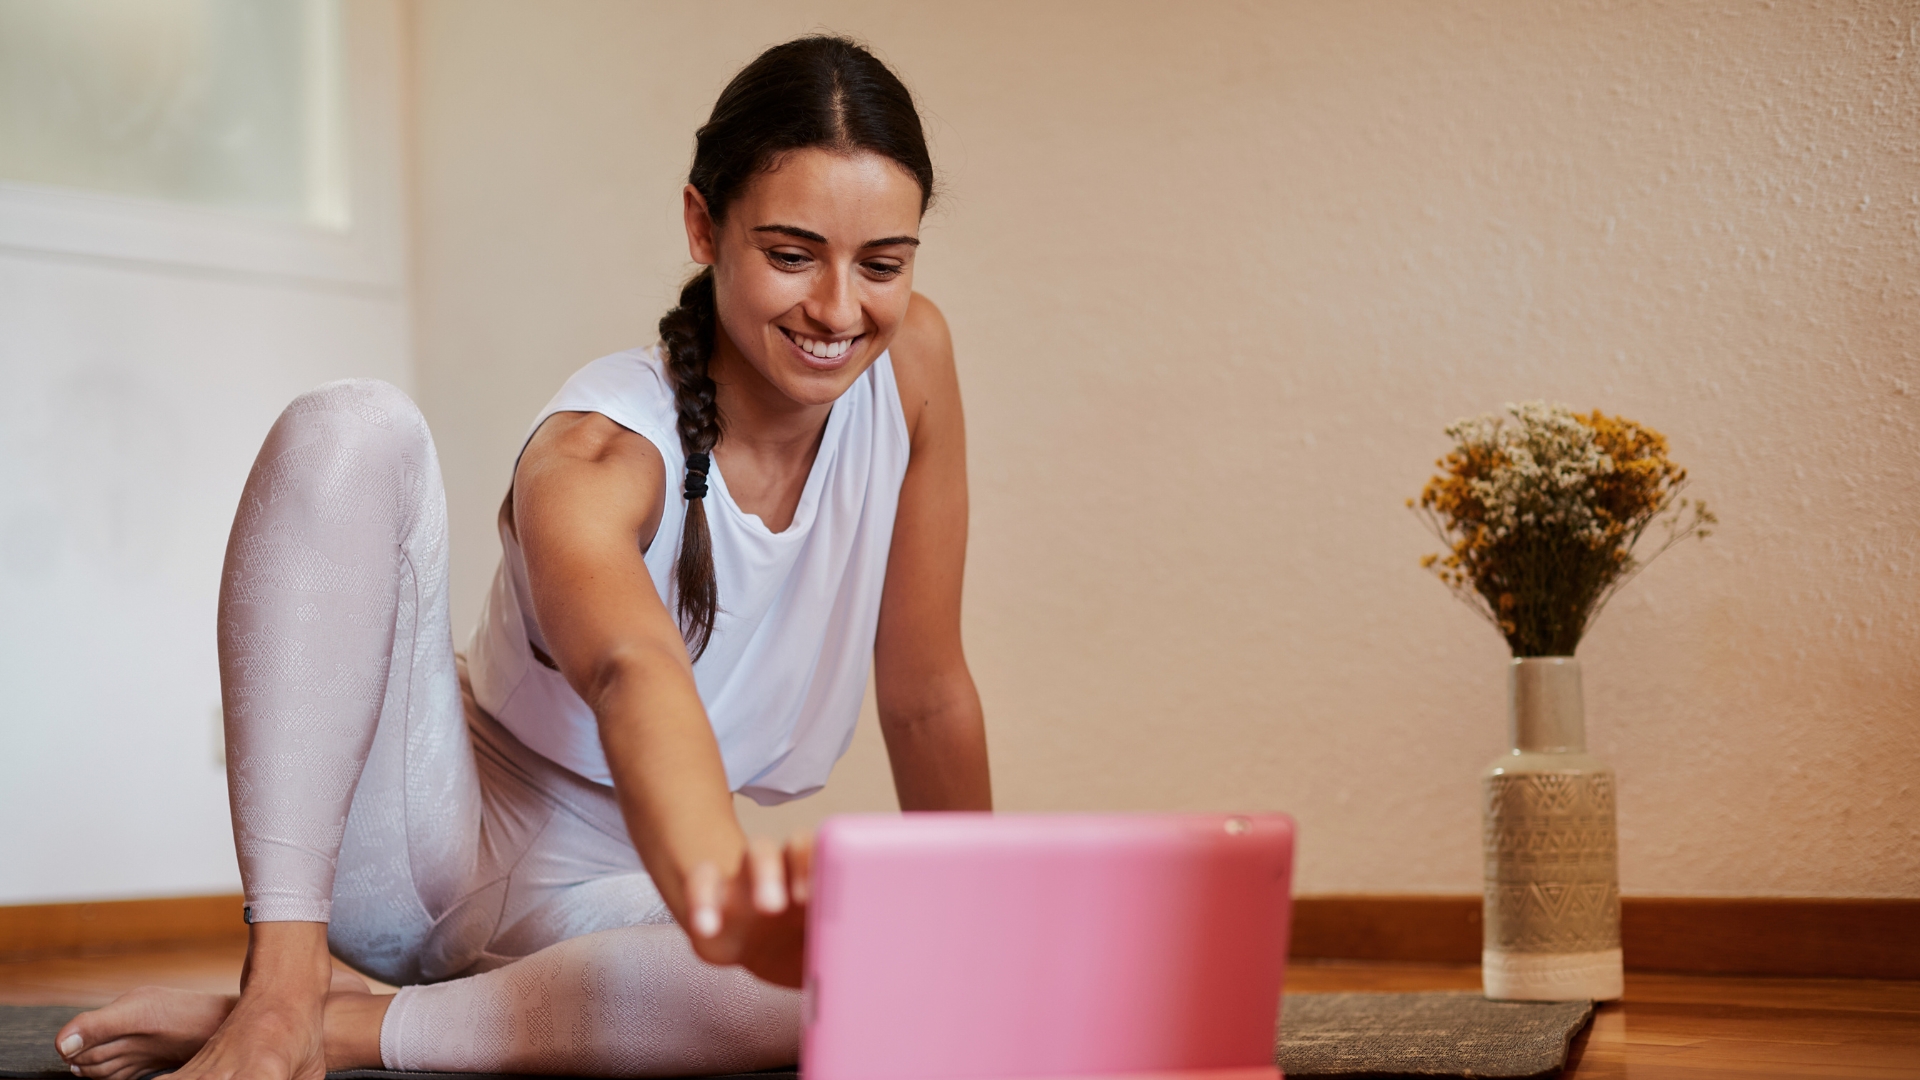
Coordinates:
[769,442]
[756,414]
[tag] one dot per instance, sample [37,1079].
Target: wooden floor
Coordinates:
[1697,1027]
[1683,1027]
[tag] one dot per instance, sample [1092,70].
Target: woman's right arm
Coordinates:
[587,496]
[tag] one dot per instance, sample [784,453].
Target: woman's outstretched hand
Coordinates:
[757,916]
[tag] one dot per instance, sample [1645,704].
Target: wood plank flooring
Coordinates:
[1670,1027]
[1700,1027]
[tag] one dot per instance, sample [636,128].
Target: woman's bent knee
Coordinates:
[359,403]
[350,443]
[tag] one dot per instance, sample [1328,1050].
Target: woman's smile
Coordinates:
[822,354]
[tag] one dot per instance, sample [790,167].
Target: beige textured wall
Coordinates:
[1218,274]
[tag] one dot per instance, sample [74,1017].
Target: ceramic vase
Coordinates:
[1552,877]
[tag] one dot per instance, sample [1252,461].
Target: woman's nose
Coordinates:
[836,304]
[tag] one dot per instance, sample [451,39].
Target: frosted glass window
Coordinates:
[234,104]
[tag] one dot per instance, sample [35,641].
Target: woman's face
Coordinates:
[813,268]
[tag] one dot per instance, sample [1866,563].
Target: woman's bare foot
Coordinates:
[144,1030]
[157,1027]
[272,1031]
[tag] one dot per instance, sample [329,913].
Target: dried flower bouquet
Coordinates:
[1541,510]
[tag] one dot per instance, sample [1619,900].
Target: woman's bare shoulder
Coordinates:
[922,353]
[584,463]
[593,438]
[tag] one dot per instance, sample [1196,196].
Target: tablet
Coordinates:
[1041,946]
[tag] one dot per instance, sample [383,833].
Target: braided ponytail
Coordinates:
[810,92]
[687,335]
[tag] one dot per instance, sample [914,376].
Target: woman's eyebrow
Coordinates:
[792,230]
[799,233]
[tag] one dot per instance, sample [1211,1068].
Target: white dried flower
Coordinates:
[1548,462]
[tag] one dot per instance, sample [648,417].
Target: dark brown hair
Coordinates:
[824,92]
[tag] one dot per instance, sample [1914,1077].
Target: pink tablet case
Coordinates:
[1030,947]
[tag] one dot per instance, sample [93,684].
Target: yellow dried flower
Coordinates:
[1541,510]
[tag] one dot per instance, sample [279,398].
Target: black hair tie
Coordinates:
[697,465]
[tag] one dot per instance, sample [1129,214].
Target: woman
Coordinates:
[702,542]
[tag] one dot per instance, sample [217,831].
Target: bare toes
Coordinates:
[97,1055]
[112,1068]
[70,1039]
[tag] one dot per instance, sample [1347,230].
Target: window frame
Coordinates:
[368,254]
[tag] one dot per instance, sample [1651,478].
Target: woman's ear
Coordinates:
[701,242]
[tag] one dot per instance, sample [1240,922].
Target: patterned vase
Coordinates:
[1552,873]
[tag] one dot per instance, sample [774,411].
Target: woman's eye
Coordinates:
[787,260]
[883,269]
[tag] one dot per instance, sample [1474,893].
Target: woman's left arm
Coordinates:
[929,710]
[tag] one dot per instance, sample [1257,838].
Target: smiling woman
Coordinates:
[801,310]
[708,543]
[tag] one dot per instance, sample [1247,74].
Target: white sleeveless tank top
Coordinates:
[784,674]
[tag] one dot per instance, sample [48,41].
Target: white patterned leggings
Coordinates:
[500,890]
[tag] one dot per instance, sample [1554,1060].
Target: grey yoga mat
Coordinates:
[26,1051]
[1377,1036]
[1351,1036]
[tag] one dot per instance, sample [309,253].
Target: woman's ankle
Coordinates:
[352,1029]
[287,960]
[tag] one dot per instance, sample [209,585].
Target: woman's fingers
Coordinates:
[731,916]
[769,872]
[800,866]
[703,899]
[755,916]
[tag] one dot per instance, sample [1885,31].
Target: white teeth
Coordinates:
[824,350]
